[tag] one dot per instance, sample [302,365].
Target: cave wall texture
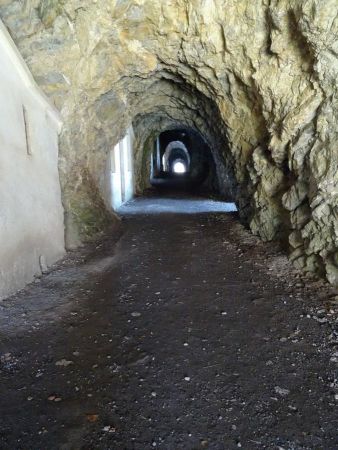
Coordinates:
[256,78]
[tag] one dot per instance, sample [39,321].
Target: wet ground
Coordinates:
[186,333]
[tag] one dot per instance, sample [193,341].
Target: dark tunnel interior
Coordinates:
[182,160]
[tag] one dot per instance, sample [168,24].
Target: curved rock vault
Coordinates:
[256,79]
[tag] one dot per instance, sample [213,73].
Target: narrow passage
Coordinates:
[188,333]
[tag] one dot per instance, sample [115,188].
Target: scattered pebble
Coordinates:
[92,418]
[109,429]
[54,398]
[63,363]
[281,391]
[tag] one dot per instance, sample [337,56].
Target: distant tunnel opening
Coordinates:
[181,159]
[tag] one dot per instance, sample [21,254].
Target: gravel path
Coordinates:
[188,333]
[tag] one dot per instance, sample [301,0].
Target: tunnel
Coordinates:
[262,141]
[182,159]
[168,224]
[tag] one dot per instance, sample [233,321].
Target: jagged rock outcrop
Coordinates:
[256,79]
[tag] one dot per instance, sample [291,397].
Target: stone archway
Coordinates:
[168,152]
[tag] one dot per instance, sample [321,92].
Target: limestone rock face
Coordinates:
[256,79]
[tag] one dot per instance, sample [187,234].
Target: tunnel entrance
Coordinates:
[176,158]
[182,160]
[181,175]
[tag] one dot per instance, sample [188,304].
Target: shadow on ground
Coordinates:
[188,333]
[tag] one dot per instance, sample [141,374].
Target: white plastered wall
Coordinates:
[122,171]
[31,212]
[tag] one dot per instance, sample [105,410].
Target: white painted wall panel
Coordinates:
[122,171]
[31,213]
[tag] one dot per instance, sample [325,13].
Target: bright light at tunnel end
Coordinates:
[179,167]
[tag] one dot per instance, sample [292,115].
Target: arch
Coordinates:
[174,145]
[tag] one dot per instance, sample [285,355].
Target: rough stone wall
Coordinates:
[257,79]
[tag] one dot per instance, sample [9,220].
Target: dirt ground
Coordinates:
[186,333]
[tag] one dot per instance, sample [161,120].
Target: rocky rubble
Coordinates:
[256,79]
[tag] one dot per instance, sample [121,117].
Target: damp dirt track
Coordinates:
[188,333]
